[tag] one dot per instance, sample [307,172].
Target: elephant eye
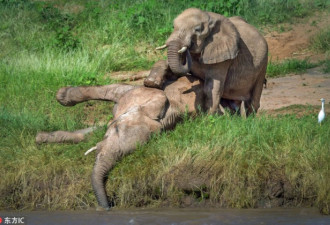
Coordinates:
[199,29]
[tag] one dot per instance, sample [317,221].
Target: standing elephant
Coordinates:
[227,53]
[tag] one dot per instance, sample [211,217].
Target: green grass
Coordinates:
[236,156]
[326,68]
[238,161]
[276,69]
[46,45]
[321,43]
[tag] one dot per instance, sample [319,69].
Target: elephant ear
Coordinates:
[222,43]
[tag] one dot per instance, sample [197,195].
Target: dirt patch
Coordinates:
[294,39]
[304,89]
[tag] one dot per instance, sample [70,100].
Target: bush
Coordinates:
[321,41]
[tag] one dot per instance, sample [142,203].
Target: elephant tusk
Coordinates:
[183,49]
[161,47]
[90,150]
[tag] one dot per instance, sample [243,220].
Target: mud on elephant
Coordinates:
[139,112]
[227,53]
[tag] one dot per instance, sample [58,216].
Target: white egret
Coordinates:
[321,113]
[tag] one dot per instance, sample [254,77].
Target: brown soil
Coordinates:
[304,89]
[294,40]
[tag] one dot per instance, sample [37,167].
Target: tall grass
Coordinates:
[231,161]
[321,43]
[276,69]
[227,161]
[93,24]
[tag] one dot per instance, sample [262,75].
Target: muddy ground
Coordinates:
[303,89]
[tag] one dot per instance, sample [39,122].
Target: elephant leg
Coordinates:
[122,138]
[235,106]
[213,90]
[157,75]
[232,105]
[70,96]
[215,77]
[253,105]
[63,136]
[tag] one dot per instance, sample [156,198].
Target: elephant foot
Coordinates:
[216,110]
[66,96]
[153,83]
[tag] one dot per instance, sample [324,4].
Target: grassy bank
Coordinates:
[251,163]
[49,44]
[276,69]
[264,161]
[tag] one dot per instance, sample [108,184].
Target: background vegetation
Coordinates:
[49,44]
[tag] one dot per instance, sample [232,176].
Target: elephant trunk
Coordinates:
[101,168]
[180,63]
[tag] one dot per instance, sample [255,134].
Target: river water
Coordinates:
[204,216]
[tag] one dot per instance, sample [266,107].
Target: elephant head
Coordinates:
[211,37]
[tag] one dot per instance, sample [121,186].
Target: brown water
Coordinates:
[203,216]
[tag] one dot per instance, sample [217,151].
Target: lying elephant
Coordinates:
[229,54]
[139,112]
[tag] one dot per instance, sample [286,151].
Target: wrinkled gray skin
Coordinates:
[139,112]
[227,53]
